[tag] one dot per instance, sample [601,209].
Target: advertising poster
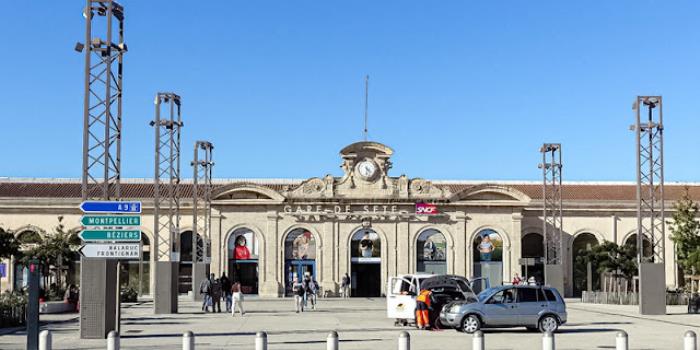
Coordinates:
[243,245]
[300,244]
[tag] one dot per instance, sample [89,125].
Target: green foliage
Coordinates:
[9,245]
[611,257]
[12,309]
[129,294]
[56,250]
[684,233]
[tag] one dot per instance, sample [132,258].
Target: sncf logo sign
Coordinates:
[426,209]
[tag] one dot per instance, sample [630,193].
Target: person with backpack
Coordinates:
[226,288]
[205,291]
[298,290]
[307,288]
[345,286]
[216,293]
[312,293]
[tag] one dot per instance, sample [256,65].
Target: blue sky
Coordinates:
[459,89]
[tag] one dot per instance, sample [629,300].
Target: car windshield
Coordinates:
[486,293]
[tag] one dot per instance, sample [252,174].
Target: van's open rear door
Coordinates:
[400,304]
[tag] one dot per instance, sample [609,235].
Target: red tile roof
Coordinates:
[571,191]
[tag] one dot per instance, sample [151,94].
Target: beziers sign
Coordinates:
[426,209]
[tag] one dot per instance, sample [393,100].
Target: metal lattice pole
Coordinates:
[104,50]
[552,204]
[166,194]
[650,178]
[102,113]
[201,202]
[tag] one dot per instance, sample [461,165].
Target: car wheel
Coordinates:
[471,324]
[548,323]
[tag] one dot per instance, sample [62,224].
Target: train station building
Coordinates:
[367,223]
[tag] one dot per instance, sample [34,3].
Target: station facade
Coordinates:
[365,223]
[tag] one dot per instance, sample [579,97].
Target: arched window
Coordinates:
[299,256]
[488,256]
[583,242]
[243,252]
[431,252]
[365,263]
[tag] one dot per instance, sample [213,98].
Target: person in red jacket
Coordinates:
[423,302]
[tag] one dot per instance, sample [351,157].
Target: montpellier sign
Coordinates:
[112,220]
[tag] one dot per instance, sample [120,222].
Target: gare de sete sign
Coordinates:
[379,209]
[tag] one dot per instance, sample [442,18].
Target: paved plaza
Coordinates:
[362,324]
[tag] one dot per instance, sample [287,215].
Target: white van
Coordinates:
[403,289]
[401,297]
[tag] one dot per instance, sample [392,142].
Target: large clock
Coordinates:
[367,169]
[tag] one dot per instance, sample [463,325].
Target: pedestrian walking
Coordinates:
[237,299]
[312,293]
[226,288]
[345,286]
[423,302]
[516,279]
[307,288]
[216,294]
[298,290]
[205,291]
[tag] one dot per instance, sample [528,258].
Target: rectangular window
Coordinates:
[527,295]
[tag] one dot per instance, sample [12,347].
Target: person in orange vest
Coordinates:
[423,301]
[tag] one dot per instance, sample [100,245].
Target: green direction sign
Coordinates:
[111,220]
[111,235]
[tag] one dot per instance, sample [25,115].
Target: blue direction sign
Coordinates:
[110,207]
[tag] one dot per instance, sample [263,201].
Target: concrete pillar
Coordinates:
[113,341]
[328,279]
[45,342]
[548,341]
[460,241]
[690,341]
[621,341]
[516,244]
[261,341]
[332,341]
[188,341]
[402,245]
[270,274]
[478,342]
[404,341]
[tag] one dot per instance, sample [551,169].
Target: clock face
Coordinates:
[366,168]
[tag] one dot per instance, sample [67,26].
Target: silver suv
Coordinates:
[534,307]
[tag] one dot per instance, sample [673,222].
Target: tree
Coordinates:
[56,250]
[9,246]
[612,257]
[684,234]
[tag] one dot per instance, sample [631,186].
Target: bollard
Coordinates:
[188,340]
[548,341]
[113,340]
[690,341]
[332,341]
[621,341]
[45,340]
[478,341]
[404,341]
[261,341]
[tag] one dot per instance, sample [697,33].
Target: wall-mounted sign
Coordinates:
[426,209]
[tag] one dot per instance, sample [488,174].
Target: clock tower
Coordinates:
[366,162]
